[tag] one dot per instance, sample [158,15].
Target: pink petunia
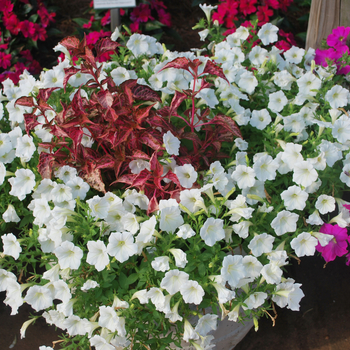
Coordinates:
[5,60]
[336,246]
[338,36]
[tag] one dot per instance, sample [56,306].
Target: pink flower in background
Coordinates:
[336,246]
[338,36]
[141,13]
[5,60]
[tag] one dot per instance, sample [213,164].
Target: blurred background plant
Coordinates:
[31,28]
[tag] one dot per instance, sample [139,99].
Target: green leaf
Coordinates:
[202,269]
[133,278]
[80,21]
[197,2]
[123,281]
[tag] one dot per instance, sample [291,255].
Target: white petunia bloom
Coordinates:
[304,173]
[192,199]
[22,184]
[341,129]
[288,294]
[294,55]
[261,244]
[172,281]
[252,266]
[325,204]
[68,255]
[172,143]
[212,231]
[337,96]
[277,101]
[25,148]
[254,300]
[268,33]
[272,273]
[284,222]
[206,324]
[244,176]
[192,292]
[232,269]
[294,198]
[331,152]
[39,297]
[248,82]
[11,245]
[137,165]
[186,175]
[121,245]
[260,119]
[170,218]
[97,255]
[304,244]
[185,231]
[180,257]
[89,284]
[10,214]
[309,84]
[161,263]
[265,167]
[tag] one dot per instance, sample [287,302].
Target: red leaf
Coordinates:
[68,72]
[149,140]
[46,161]
[70,43]
[141,178]
[145,93]
[214,69]
[153,204]
[105,45]
[178,98]
[30,122]
[179,63]
[25,101]
[227,123]
[105,98]
[94,179]
[44,94]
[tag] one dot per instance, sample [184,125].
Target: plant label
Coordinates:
[109,4]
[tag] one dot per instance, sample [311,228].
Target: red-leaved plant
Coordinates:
[125,126]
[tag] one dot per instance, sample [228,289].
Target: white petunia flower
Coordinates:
[11,245]
[294,198]
[304,173]
[268,33]
[277,101]
[180,257]
[172,143]
[185,231]
[89,284]
[10,214]
[192,292]
[172,280]
[161,263]
[244,176]
[121,245]
[284,222]
[68,255]
[260,118]
[337,96]
[39,297]
[325,204]
[22,184]
[212,231]
[294,55]
[261,244]
[304,244]
[232,269]
[97,255]
[186,175]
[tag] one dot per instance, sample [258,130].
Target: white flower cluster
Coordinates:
[271,195]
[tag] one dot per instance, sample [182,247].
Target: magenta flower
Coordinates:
[338,36]
[337,246]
